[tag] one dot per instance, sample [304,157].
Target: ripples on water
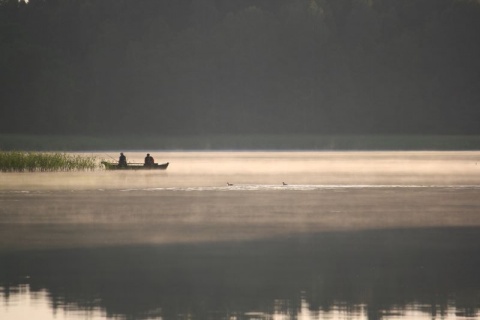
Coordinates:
[287,187]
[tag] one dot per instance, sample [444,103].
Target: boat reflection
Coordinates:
[389,274]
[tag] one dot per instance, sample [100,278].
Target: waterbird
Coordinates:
[284,184]
[229,184]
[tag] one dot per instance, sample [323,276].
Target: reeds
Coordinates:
[16,161]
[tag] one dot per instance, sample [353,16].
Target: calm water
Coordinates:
[352,235]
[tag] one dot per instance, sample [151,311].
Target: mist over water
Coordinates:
[364,235]
[214,169]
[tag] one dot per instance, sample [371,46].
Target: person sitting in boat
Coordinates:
[149,161]
[122,161]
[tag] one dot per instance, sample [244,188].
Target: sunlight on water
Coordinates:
[245,235]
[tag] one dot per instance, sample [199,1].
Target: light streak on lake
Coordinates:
[311,235]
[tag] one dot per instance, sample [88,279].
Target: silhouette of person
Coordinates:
[149,161]
[122,161]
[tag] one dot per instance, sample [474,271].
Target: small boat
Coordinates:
[135,166]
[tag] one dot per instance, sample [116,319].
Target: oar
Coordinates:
[111,157]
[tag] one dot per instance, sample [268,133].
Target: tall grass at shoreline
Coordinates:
[17,161]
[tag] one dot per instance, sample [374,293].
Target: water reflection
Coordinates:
[389,274]
[20,302]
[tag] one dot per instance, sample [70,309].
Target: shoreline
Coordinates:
[245,142]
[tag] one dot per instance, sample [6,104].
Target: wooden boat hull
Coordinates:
[115,166]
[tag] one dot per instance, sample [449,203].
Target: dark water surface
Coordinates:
[369,274]
[399,239]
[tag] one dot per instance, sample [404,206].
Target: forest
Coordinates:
[175,67]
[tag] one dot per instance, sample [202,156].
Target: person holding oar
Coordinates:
[122,161]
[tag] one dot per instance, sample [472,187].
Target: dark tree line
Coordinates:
[239,66]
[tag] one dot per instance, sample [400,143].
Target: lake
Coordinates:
[293,235]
